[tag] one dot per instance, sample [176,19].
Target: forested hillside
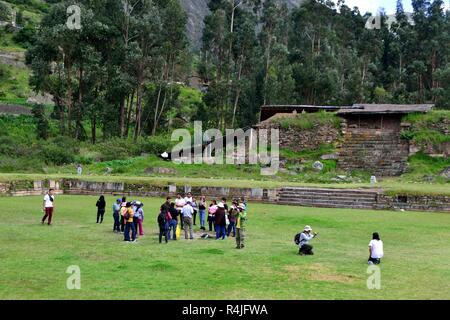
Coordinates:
[131,74]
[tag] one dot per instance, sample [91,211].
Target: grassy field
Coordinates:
[34,258]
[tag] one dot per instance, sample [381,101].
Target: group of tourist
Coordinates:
[181,214]
[128,218]
[226,220]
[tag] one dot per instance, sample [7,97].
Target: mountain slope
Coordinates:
[198,9]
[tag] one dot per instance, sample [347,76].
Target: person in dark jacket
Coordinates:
[232,213]
[174,222]
[101,205]
[220,221]
[163,222]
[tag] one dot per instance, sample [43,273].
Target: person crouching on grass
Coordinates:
[129,224]
[305,249]
[375,249]
[48,206]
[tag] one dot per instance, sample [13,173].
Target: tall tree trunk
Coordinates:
[130,108]
[69,101]
[238,91]
[94,129]
[122,118]
[266,76]
[79,125]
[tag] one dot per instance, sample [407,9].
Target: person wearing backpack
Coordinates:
[128,215]
[187,213]
[305,249]
[163,223]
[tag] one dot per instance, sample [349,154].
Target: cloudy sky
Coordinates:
[373,5]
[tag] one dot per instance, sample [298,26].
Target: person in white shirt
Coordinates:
[187,212]
[188,198]
[179,204]
[375,249]
[48,206]
[305,249]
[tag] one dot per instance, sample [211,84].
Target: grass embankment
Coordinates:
[34,258]
[389,186]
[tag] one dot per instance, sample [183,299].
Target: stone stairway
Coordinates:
[328,198]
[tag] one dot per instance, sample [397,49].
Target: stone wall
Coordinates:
[297,140]
[413,203]
[76,187]
[373,147]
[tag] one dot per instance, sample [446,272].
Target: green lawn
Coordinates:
[34,258]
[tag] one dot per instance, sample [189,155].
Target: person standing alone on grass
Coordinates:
[375,249]
[305,249]
[187,220]
[116,215]
[241,220]
[129,224]
[48,206]
[101,205]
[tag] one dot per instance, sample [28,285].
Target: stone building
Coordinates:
[372,140]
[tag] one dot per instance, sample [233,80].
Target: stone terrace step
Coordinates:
[329,198]
[328,205]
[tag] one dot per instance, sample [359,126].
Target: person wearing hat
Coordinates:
[139,215]
[116,215]
[241,219]
[304,247]
[220,221]
[128,215]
